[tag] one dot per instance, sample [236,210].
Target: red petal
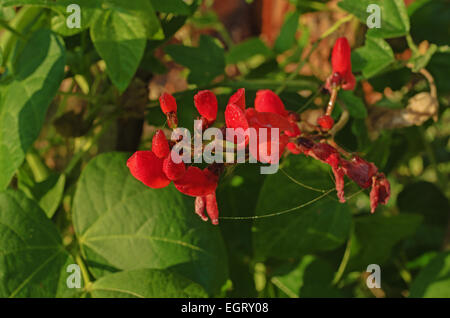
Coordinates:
[238,98]
[206,104]
[326,153]
[235,117]
[341,57]
[293,148]
[339,180]
[269,102]
[264,149]
[349,82]
[168,103]
[380,193]
[160,145]
[200,204]
[268,120]
[295,130]
[196,182]
[147,168]
[212,209]
[172,170]
[360,171]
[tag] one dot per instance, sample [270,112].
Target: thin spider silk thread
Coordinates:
[324,194]
[277,213]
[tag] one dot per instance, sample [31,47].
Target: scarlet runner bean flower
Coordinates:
[169,108]
[206,104]
[157,169]
[342,66]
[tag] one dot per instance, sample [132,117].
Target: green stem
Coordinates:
[433,161]
[310,100]
[411,44]
[345,258]
[84,271]
[336,26]
[39,169]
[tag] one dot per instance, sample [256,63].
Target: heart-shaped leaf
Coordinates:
[434,280]
[394,21]
[33,260]
[120,39]
[374,57]
[205,62]
[37,74]
[145,283]
[122,225]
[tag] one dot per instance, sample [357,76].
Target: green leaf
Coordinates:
[89,8]
[394,17]
[171,6]
[37,74]
[123,225]
[318,225]
[376,235]
[434,280]
[120,40]
[311,277]
[354,104]
[47,193]
[433,30]
[286,39]
[238,192]
[145,283]
[424,198]
[33,260]
[205,62]
[375,56]
[246,50]
[141,9]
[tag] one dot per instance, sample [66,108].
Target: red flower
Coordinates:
[238,98]
[196,182]
[169,108]
[341,57]
[381,191]
[342,66]
[172,170]
[269,102]
[168,103]
[147,168]
[160,145]
[206,104]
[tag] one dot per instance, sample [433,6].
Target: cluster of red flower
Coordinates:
[156,168]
